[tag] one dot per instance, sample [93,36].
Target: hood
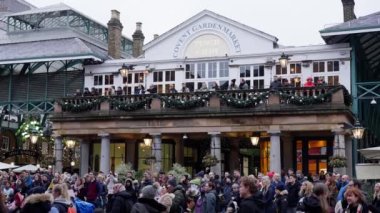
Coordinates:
[38,198]
[311,201]
[151,203]
[62,200]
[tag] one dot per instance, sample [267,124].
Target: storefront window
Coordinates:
[167,156]
[144,153]
[264,156]
[117,154]
[190,156]
[317,147]
[299,154]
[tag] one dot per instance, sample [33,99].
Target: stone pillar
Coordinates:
[339,147]
[58,153]
[216,151]
[275,152]
[84,157]
[105,158]
[157,150]
[234,160]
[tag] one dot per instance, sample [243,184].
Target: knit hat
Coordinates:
[280,187]
[172,182]
[148,192]
[270,174]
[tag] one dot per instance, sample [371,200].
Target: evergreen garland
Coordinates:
[195,101]
[129,106]
[29,127]
[81,105]
[251,99]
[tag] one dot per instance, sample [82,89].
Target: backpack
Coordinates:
[83,206]
[61,207]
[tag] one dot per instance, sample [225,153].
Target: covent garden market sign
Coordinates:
[206,26]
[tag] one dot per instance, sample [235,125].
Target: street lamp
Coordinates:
[33,137]
[124,70]
[72,163]
[70,143]
[357,130]
[147,140]
[255,139]
[284,59]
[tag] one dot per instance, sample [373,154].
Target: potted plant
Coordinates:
[209,160]
[337,161]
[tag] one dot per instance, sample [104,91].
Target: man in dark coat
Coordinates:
[248,190]
[37,203]
[121,201]
[147,203]
[179,200]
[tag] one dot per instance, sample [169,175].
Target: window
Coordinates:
[295,82]
[258,71]
[190,71]
[295,68]
[201,70]
[108,80]
[258,84]
[170,75]
[98,80]
[280,70]
[190,85]
[157,76]
[190,155]
[128,79]
[167,156]
[319,66]
[5,143]
[332,66]
[212,70]
[139,78]
[127,90]
[245,71]
[144,152]
[264,156]
[333,80]
[223,69]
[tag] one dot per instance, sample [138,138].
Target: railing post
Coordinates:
[156,104]
[214,101]
[337,97]
[57,107]
[273,99]
[105,106]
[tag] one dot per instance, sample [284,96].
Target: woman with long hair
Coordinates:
[375,207]
[317,201]
[306,189]
[356,201]
[268,194]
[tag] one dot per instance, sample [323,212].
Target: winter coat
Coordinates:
[249,205]
[166,200]
[281,201]
[267,200]
[60,205]
[376,205]
[120,202]
[209,202]
[293,191]
[310,204]
[179,200]
[146,205]
[40,203]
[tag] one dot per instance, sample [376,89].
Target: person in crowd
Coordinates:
[78,93]
[60,203]
[110,182]
[243,85]
[147,180]
[233,85]
[121,201]
[92,189]
[355,201]
[8,191]
[237,176]
[166,198]
[227,193]
[102,197]
[147,203]
[293,187]
[129,187]
[317,201]
[306,190]
[40,203]
[139,90]
[375,206]
[203,87]
[179,200]
[247,191]
[309,82]
[94,91]
[79,189]
[152,89]
[190,205]
[268,192]
[86,92]
[281,199]
[215,86]
[343,203]
[333,190]
[172,89]
[276,83]
[184,88]
[119,91]
[343,185]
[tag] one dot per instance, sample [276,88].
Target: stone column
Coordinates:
[105,158]
[58,153]
[216,151]
[339,147]
[275,151]
[157,150]
[84,157]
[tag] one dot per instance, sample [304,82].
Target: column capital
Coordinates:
[214,133]
[103,134]
[338,131]
[274,132]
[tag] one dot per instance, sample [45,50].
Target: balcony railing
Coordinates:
[241,99]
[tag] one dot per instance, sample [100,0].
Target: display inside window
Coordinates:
[317,147]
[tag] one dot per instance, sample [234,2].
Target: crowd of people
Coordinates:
[45,192]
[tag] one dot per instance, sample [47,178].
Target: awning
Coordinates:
[7,166]
[29,168]
[372,153]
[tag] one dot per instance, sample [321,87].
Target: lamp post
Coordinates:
[33,137]
[284,59]
[124,70]
[147,140]
[70,144]
[255,139]
[357,133]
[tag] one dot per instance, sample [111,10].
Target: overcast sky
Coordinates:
[293,22]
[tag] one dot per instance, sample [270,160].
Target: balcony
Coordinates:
[286,101]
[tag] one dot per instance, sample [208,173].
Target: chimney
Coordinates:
[348,10]
[155,36]
[114,35]
[138,41]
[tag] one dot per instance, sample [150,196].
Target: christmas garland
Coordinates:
[29,127]
[209,160]
[252,99]
[129,106]
[193,102]
[81,105]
